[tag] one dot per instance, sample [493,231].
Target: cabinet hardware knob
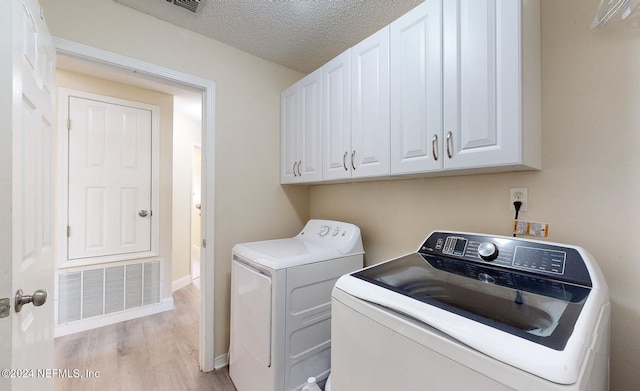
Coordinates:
[344,161]
[353,156]
[449,136]
[299,165]
[294,169]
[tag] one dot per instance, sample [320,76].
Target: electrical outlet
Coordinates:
[518,194]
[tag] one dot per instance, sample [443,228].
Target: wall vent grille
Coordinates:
[191,5]
[101,291]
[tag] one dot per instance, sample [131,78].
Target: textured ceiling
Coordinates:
[298,34]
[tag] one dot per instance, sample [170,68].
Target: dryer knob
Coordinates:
[488,251]
[324,230]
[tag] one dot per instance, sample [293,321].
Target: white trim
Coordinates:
[63,179]
[105,320]
[208,88]
[180,283]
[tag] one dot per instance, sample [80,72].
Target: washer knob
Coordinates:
[488,251]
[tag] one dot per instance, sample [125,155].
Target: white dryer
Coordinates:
[474,312]
[281,305]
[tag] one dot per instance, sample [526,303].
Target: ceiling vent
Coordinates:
[191,5]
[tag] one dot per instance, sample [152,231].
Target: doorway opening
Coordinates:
[127,70]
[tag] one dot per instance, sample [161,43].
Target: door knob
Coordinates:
[143,213]
[38,298]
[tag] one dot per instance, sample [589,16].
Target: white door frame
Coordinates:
[208,87]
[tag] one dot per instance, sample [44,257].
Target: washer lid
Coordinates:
[284,253]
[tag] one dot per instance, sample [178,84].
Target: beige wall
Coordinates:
[86,83]
[187,133]
[250,204]
[588,190]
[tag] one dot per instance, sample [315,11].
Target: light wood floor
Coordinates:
[157,352]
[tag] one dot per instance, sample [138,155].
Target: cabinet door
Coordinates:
[416,90]
[369,154]
[482,83]
[289,135]
[336,118]
[310,128]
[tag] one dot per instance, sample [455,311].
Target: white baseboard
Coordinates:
[221,361]
[105,320]
[181,283]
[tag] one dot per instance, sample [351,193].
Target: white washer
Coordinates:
[473,312]
[281,305]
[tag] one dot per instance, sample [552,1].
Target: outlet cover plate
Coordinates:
[518,194]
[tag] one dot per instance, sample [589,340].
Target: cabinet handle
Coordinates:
[344,161]
[294,168]
[434,145]
[449,145]
[299,164]
[353,156]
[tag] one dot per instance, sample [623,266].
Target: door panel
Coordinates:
[336,118]
[310,112]
[289,134]
[109,179]
[27,64]
[416,90]
[482,78]
[477,80]
[370,105]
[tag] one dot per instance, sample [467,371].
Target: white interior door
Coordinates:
[27,145]
[109,179]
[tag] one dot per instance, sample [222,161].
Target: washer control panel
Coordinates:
[538,258]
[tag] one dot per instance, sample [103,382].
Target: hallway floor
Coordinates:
[157,352]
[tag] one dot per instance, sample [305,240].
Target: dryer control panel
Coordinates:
[543,259]
[333,234]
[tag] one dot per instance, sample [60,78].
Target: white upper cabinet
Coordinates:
[289,135]
[301,127]
[416,90]
[492,108]
[370,106]
[451,87]
[356,110]
[476,106]
[336,118]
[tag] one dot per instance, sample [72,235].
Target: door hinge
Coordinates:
[68,231]
[68,123]
[204,243]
